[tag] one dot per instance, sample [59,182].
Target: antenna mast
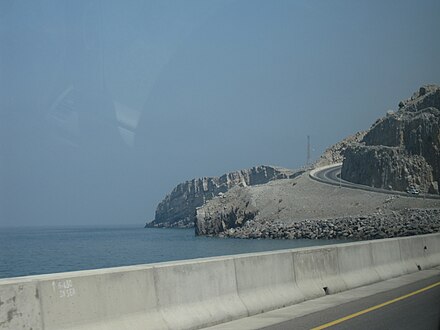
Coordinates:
[308,149]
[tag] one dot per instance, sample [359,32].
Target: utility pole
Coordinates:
[340,178]
[308,149]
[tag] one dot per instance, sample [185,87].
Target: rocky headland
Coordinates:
[178,208]
[399,151]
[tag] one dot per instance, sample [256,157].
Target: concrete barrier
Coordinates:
[432,251]
[106,299]
[202,292]
[266,281]
[317,271]
[20,305]
[413,254]
[356,265]
[386,258]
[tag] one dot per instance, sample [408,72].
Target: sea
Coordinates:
[43,250]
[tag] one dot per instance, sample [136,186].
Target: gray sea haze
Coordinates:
[42,250]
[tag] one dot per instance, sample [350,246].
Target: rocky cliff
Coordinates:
[386,167]
[402,149]
[178,208]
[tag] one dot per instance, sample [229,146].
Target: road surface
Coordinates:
[407,302]
[413,306]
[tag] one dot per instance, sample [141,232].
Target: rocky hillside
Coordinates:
[398,151]
[335,153]
[178,208]
[304,208]
[402,149]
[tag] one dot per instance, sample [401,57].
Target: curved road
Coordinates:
[331,175]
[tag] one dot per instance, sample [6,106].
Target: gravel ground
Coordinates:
[302,198]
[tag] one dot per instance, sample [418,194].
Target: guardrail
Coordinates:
[202,292]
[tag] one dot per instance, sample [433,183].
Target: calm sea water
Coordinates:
[30,251]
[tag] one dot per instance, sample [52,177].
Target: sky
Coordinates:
[105,106]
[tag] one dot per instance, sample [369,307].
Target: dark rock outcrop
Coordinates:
[427,96]
[402,149]
[178,209]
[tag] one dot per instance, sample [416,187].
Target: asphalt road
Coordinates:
[420,310]
[331,175]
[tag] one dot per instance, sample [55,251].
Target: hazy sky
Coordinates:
[106,105]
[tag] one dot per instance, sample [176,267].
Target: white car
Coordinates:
[412,191]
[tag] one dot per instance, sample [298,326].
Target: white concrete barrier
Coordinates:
[120,298]
[386,258]
[199,292]
[317,271]
[266,281]
[202,292]
[20,305]
[356,265]
[431,250]
[413,254]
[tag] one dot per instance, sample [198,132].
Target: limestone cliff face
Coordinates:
[401,149]
[386,167]
[178,208]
